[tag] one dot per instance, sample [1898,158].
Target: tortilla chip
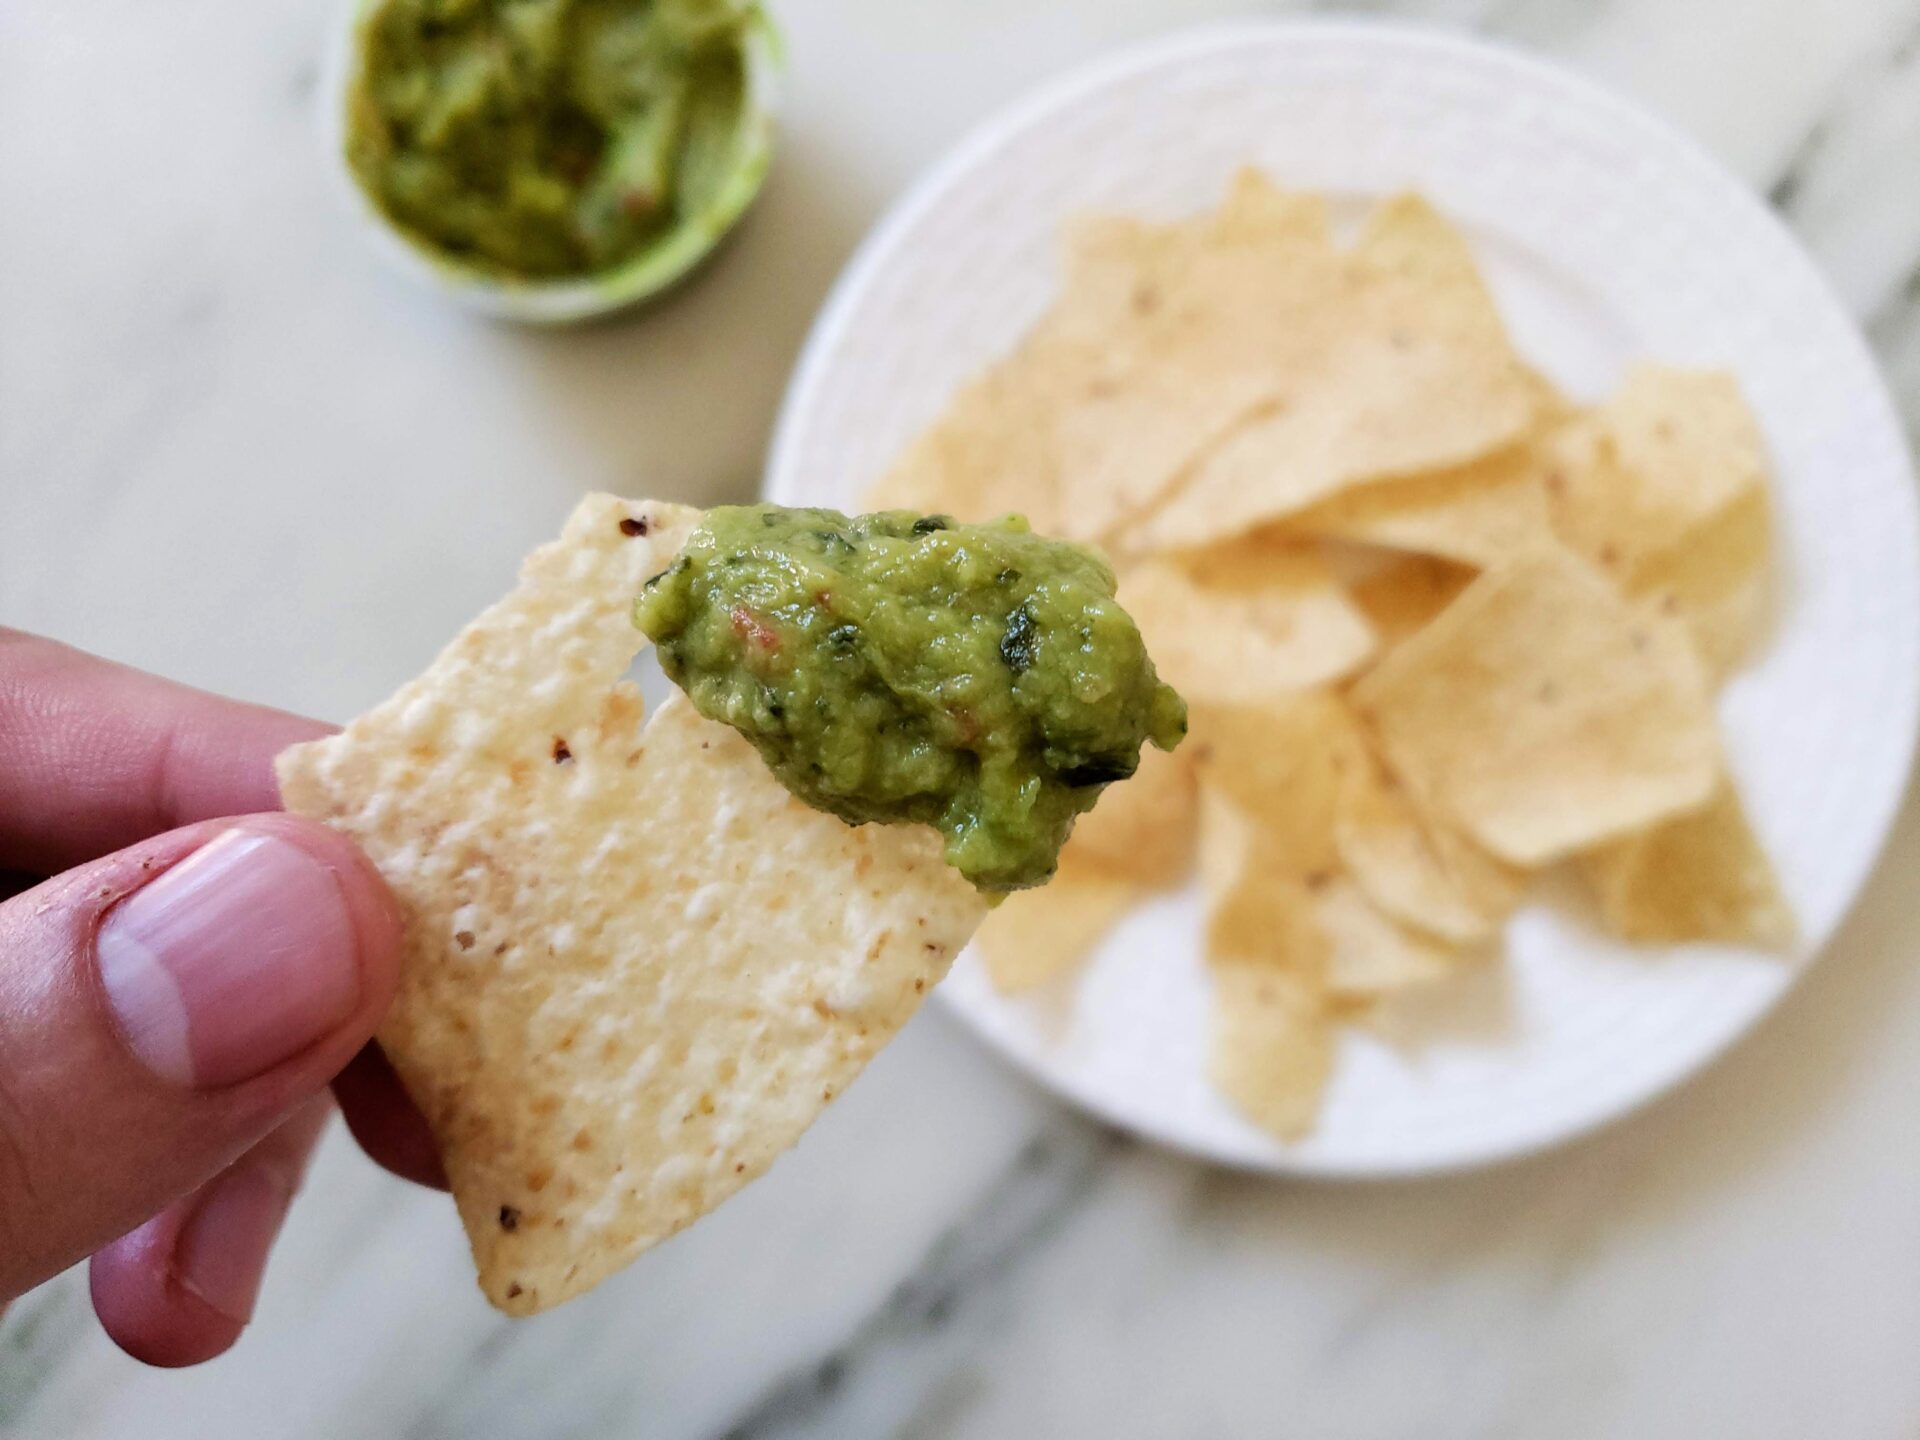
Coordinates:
[636,967]
[1121,271]
[1259,903]
[1035,935]
[1283,766]
[996,449]
[1415,867]
[1271,1046]
[1398,365]
[1542,714]
[1143,828]
[1673,450]
[1227,316]
[1691,443]
[993,453]
[1716,583]
[1246,622]
[1404,597]
[1369,954]
[1002,444]
[1258,212]
[1703,876]
[1476,514]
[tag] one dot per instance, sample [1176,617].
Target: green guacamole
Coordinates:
[894,667]
[546,139]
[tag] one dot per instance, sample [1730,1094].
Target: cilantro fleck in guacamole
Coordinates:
[547,139]
[896,667]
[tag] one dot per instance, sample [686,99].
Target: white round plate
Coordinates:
[1607,237]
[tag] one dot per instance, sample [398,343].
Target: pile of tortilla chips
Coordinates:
[1440,628]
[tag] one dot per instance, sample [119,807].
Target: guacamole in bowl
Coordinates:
[554,159]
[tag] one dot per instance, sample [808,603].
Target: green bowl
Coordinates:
[565,302]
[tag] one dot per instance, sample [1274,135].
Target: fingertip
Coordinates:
[180,1289]
[144,1308]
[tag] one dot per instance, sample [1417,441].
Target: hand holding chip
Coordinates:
[175,1000]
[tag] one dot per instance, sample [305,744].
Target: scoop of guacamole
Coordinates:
[546,138]
[897,667]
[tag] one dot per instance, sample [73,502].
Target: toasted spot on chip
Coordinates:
[1543,714]
[634,990]
[1702,876]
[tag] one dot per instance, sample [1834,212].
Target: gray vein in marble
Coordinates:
[1537,22]
[302,84]
[1785,191]
[41,1331]
[915,1350]
[1844,187]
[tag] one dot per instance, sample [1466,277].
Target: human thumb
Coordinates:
[164,1008]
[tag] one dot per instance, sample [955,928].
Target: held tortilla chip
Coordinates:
[1543,714]
[1702,876]
[636,968]
[1246,622]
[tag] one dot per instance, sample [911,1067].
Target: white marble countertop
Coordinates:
[234,450]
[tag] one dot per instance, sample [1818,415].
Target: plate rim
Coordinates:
[1452,46]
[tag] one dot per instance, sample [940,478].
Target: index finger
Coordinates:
[95,756]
